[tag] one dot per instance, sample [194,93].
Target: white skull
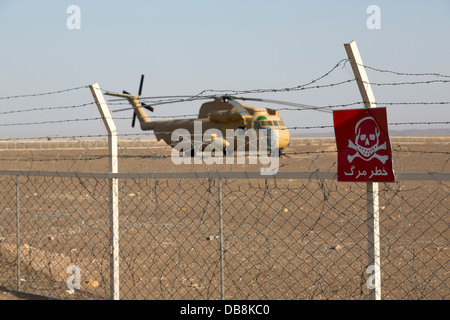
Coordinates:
[367,141]
[367,137]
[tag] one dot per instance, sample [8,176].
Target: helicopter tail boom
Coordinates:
[142,116]
[138,107]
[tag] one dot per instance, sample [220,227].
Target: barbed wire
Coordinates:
[177,99]
[362,103]
[390,123]
[396,148]
[192,114]
[154,103]
[312,230]
[54,121]
[48,108]
[47,122]
[126,118]
[91,158]
[201,95]
[266,218]
[287,89]
[405,83]
[146,133]
[309,127]
[419,122]
[308,85]
[403,73]
[414,103]
[72,137]
[42,94]
[310,108]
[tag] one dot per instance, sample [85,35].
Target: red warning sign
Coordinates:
[363,144]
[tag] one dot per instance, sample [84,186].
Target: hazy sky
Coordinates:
[185,47]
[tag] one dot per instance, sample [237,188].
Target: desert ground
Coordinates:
[268,239]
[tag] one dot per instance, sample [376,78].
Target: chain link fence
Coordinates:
[219,231]
[214,236]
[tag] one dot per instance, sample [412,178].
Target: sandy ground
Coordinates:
[283,240]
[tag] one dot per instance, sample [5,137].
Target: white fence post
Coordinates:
[113,190]
[373,211]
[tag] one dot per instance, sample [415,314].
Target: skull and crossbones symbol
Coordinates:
[367,141]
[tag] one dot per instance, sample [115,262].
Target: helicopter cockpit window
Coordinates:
[266,123]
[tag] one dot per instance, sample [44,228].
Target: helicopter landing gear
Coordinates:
[190,153]
[277,152]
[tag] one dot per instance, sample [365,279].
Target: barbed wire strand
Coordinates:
[42,94]
[47,108]
[404,73]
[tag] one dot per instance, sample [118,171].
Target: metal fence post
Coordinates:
[18,231]
[373,212]
[113,190]
[222,285]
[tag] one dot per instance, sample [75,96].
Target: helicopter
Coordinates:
[215,119]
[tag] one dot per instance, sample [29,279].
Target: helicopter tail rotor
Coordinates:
[150,108]
[134,101]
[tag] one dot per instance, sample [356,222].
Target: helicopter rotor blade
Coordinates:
[139,93]
[292,104]
[140,85]
[134,113]
[148,107]
[134,120]
[240,108]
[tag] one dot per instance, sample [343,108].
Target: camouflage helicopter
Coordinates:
[221,114]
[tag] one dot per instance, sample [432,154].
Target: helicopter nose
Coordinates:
[284,138]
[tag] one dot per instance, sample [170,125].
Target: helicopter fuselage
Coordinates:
[214,119]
